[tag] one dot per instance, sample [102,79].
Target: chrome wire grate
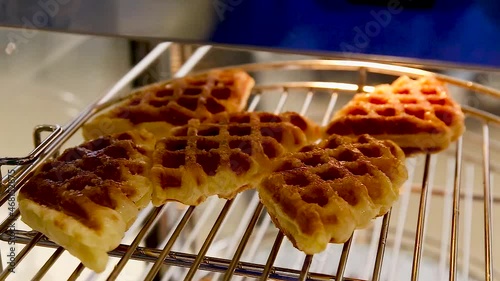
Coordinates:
[204,243]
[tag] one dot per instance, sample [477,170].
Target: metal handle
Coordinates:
[35,154]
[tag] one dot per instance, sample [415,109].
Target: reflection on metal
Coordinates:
[488,227]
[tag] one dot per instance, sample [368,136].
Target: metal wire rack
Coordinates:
[176,258]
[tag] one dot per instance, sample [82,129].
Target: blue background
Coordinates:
[459,31]
[462,31]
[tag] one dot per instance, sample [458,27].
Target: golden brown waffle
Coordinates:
[270,126]
[159,107]
[87,198]
[418,115]
[222,156]
[322,193]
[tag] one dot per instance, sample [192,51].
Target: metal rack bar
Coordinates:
[272,256]
[12,266]
[430,187]
[372,251]
[305,267]
[259,234]
[362,78]
[417,254]
[469,186]
[131,75]
[9,220]
[156,267]
[323,261]
[240,228]
[403,211]
[332,86]
[357,238]
[48,264]
[380,68]
[282,101]
[166,240]
[299,259]
[212,204]
[329,110]
[76,273]
[138,223]
[444,250]
[185,260]
[243,242]
[456,211]
[488,259]
[255,102]
[343,259]
[381,246]
[307,102]
[208,240]
[153,216]
[441,193]
[192,61]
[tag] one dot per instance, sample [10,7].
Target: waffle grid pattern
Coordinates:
[183,99]
[160,107]
[325,191]
[189,164]
[402,111]
[91,168]
[86,198]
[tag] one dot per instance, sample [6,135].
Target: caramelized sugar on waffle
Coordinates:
[418,115]
[85,199]
[324,192]
[222,156]
[159,107]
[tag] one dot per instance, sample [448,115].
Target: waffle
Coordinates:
[85,199]
[418,115]
[160,107]
[224,155]
[322,193]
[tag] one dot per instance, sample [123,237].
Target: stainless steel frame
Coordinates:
[164,256]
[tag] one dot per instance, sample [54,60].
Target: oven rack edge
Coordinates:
[49,147]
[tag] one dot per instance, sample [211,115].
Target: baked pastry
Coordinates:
[418,115]
[322,193]
[86,198]
[310,129]
[224,155]
[159,107]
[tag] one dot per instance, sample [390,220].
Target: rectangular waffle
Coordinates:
[160,107]
[418,115]
[85,199]
[224,155]
[323,192]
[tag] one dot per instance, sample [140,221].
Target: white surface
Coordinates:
[49,80]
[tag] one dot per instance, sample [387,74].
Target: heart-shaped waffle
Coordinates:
[323,192]
[85,199]
[224,155]
[160,107]
[418,115]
